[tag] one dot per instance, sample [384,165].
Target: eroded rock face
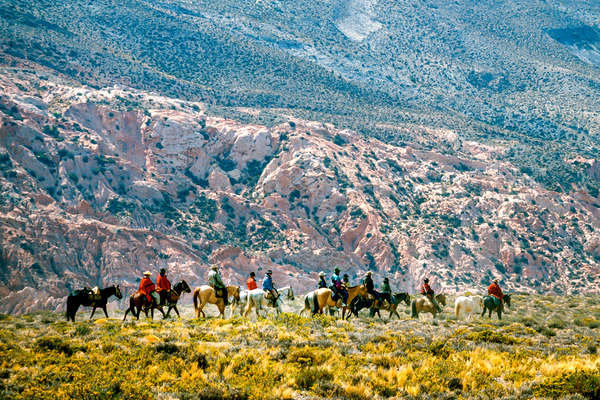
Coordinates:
[94,194]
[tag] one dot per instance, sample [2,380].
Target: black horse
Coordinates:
[489,304]
[360,302]
[174,295]
[86,298]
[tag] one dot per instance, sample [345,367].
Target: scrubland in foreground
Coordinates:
[545,347]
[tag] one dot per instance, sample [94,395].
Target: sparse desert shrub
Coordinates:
[54,343]
[82,330]
[585,383]
[306,378]
[489,336]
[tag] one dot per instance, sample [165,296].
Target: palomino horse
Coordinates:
[319,299]
[206,294]
[466,306]
[423,304]
[83,298]
[138,303]
[353,291]
[489,304]
[174,295]
[361,302]
[257,298]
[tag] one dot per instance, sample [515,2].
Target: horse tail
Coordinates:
[413,309]
[196,294]
[69,307]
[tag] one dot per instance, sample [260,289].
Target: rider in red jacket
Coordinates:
[251,282]
[147,286]
[495,291]
[163,286]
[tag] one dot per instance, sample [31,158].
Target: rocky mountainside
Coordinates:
[97,185]
[525,71]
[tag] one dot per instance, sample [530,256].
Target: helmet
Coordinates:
[336,270]
[321,273]
[163,271]
[386,280]
[426,280]
[269,272]
[147,273]
[252,274]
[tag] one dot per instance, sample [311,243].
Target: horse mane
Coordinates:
[355,286]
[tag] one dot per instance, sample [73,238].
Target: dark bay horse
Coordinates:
[139,303]
[489,304]
[85,298]
[361,302]
[174,295]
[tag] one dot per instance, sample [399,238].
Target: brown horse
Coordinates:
[322,297]
[353,291]
[423,304]
[206,294]
[139,303]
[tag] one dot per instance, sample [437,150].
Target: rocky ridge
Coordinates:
[98,185]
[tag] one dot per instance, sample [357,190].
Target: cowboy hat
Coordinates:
[147,273]
[368,273]
[214,267]
[269,272]
[321,273]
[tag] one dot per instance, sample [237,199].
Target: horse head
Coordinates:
[118,293]
[441,298]
[405,297]
[507,299]
[185,287]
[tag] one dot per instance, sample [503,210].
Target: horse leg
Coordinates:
[104,309]
[162,312]
[176,311]
[126,312]
[93,311]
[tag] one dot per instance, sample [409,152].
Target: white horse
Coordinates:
[257,298]
[467,306]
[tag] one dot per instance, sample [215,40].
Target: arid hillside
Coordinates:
[97,185]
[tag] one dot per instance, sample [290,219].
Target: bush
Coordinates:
[308,377]
[53,343]
[585,383]
[337,139]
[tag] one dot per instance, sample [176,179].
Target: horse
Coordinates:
[257,298]
[206,294]
[353,291]
[423,304]
[83,298]
[174,295]
[490,305]
[361,302]
[319,299]
[467,306]
[138,303]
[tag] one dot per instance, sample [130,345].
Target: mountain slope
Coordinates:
[100,184]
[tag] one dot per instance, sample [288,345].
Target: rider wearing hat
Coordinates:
[370,286]
[267,286]
[215,281]
[147,288]
[322,281]
[163,286]
[496,293]
[338,287]
[428,292]
[346,280]
[251,281]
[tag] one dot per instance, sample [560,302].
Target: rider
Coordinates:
[428,292]
[386,291]
[338,287]
[251,281]
[147,288]
[215,281]
[267,286]
[496,293]
[322,281]
[370,285]
[346,280]
[163,286]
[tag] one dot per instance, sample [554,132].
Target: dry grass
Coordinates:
[543,348]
